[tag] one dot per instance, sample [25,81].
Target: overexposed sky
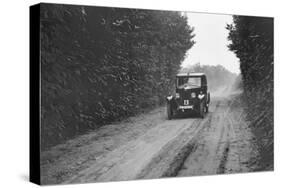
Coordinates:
[211,41]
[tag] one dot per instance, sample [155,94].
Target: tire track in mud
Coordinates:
[225,145]
[168,164]
[229,135]
[178,147]
[149,156]
[222,167]
[242,146]
[213,145]
[232,139]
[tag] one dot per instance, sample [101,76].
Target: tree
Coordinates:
[103,64]
[252,42]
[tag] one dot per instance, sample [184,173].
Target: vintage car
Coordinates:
[191,95]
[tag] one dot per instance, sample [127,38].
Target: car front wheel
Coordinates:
[169,111]
[207,108]
[202,110]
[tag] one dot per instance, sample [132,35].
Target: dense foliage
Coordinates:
[252,42]
[102,64]
[217,76]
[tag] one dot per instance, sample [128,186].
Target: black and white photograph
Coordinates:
[133,94]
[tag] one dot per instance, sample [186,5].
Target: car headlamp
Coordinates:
[169,98]
[201,96]
[193,95]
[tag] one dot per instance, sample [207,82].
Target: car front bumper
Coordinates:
[187,107]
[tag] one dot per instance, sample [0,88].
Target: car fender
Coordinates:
[171,100]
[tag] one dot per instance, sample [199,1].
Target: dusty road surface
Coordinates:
[150,146]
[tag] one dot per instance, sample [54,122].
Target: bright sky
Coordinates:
[211,41]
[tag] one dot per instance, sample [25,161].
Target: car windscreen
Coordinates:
[188,81]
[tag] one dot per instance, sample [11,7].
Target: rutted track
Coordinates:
[152,155]
[224,146]
[160,148]
[212,145]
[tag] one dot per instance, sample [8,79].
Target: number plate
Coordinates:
[186,102]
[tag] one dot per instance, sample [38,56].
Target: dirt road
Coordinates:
[150,146]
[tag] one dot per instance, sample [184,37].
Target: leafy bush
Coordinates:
[102,64]
[252,42]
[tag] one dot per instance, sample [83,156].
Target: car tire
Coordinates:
[169,111]
[209,98]
[201,110]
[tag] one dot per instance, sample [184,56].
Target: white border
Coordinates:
[14,84]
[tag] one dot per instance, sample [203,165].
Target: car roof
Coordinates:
[191,74]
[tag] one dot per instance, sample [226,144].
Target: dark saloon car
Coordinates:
[191,95]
